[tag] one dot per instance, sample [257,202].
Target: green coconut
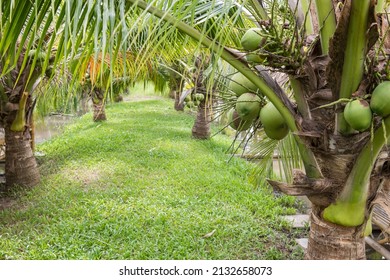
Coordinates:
[240,84]
[254,58]
[199,97]
[358,114]
[380,99]
[236,122]
[248,106]
[252,40]
[277,134]
[270,116]
[187,98]
[273,122]
[190,104]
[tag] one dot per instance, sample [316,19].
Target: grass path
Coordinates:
[139,187]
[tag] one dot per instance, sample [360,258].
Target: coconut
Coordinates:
[358,114]
[240,84]
[277,134]
[190,104]
[273,122]
[199,96]
[380,99]
[248,106]
[236,122]
[270,116]
[252,40]
[187,98]
[254,58]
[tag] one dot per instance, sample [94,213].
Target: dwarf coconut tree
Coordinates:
[79,42]
[336,56]
[39,39]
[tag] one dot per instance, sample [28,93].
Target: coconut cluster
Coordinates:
[193,100]
[358,113]
[252,108]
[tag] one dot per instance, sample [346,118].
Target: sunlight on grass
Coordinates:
[145,89]
[139,187]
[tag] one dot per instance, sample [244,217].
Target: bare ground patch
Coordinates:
[7,202]
[88,176]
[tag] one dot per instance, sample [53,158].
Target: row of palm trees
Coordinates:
[73,41]
[330,50]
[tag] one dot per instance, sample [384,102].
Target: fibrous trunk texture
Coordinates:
[20,166]
[201,128]
[178,106]
[99,113]
[333,242]
[176,86]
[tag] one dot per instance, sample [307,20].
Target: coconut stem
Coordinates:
[380,6]
[355,52]
[327,21]
[305,6]
[299,96]
[354,57]
[349,208]
[259,9]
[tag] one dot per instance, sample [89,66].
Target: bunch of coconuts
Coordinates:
[250,107]
[193,100]
[358,113]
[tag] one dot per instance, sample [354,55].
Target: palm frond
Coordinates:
[274,159]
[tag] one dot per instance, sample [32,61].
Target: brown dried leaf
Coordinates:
[322,95]
[373,31]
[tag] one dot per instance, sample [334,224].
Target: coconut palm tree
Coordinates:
[23,62]
[45,38]
[204,93]
[334,52]
[39,39]
[201,128]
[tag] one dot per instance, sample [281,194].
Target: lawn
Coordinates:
[139,187]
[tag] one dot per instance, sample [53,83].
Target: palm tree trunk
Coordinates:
[20,166]
[329,241]
[176,85]
[201,128]
[178,106]
[99,113]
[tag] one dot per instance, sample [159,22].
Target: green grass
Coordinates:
[139,187]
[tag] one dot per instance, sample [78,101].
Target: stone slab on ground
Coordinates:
[302,242]
[298,221]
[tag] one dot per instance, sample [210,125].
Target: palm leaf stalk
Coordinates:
[327,21]
[380,5]
[308,22]
[299,96]
[349,209]
[260,12]
[355,54]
